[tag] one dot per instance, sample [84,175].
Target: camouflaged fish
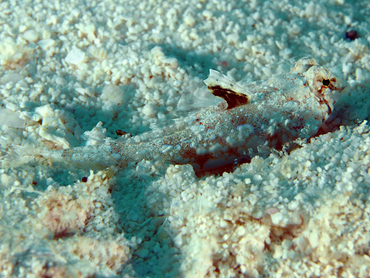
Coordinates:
[270,114]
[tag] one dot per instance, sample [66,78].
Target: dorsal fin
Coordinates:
[222,86]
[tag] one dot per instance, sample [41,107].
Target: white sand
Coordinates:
[67,66]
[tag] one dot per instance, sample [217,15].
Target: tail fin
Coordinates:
[16,155]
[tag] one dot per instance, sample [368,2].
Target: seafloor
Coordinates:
[76,72]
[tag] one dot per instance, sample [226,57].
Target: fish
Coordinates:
[251,119]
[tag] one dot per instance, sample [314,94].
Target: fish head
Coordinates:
[325,85]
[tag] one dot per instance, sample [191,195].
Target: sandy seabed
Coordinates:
[75,72]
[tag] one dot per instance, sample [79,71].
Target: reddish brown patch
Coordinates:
[223,63]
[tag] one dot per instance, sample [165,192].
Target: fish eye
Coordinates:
[325,82]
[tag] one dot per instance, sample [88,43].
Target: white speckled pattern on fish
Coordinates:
[269,113]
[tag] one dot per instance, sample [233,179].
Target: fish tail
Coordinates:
[15,155]
[98,157]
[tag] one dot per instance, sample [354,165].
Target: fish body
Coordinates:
[263,114]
